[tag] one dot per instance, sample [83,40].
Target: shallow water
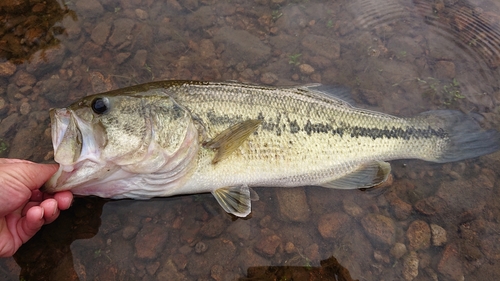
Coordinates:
[433,222]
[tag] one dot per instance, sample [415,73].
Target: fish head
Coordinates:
[106,143]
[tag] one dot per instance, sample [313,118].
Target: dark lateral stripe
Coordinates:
[282,125]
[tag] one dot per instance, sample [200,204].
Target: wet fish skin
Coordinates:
[181,137]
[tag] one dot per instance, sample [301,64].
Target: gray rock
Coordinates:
[46,59]
[100,33]
[323,46]
[89,8]
[202,18]
[292,204]
[121,30]
[240,45]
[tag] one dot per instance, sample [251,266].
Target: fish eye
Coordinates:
[100,105]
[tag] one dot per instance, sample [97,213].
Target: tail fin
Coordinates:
[466,137]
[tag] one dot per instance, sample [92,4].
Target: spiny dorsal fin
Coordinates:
[234,199]
[231,138]
[368,175]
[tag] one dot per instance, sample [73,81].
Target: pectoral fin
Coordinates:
[235,200]
[230,139]
[369,175]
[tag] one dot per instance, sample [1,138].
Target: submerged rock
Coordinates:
[379,228]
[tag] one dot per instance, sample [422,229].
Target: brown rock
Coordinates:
[352,209]
[410,266]
[240,45]
[8,123]
[150,241]
[23,78]
[213,227]
[268,78]
[379,228]
[4,108]
[15,6]
[7,69]
[267,245]
[323,46]
[334,224]
[306,69]
[89,8]
[400,208]
[168,271]
[207,49]
[398,250]
[46,59]
[450,264]
[419,235]
[292,204]
[430,205]
[438,235]
[100,33]
[121,32]
[445,69]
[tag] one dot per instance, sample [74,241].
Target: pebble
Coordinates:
[352,209]
[141,14]
[306,69]
[268,78]
[323,46]
[438,235]
[3,106]
[333,224]
[398,250]
[7,69]
[213,227]
[8,123]
[267,245]
[419,235]
[23,78]
[46,59]
[25,108]
[200,247]
[292,204]
[379,228]
[89,8]
[100,33]
[289,247]
[129,232]
[242,45]
[445,69]
[121,31]
[410,266]
[150,241]
[450,265]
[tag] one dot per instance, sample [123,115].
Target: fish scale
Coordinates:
[226,137]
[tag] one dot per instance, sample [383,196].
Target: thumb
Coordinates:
[29,174]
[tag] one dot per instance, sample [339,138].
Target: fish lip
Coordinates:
[59,119]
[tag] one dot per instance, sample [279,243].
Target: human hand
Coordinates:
[24,208]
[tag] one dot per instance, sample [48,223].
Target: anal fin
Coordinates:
[235,200]
[366,176]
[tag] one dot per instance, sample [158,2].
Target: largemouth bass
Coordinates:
[182,137]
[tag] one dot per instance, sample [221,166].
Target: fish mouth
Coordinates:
[75,149]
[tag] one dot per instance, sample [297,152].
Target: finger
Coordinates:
[64,199]
[29,225]
[33,175]
[51,211]
[28,206]
[11,161]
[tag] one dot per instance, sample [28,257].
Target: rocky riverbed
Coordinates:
[429,222]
